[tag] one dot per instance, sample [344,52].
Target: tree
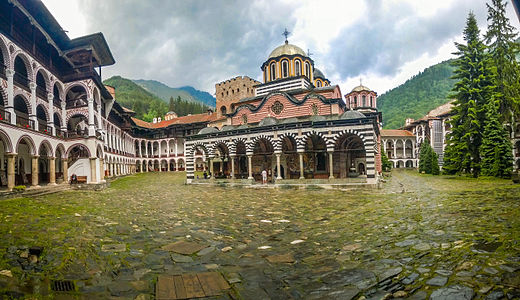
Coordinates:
[385,163]
[496,149]
[428,159]
[473,89]
[171,106]
[503,49]
[423,154]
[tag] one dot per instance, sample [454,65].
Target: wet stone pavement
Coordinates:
[420,237]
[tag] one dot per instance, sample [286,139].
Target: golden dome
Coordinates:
[287,49]
[360,88]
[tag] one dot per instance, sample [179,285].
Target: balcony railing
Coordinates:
[24,122]
[5,116]
[22,81]
[44,128]
[41,92]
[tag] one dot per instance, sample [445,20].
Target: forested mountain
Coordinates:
[205,97]
[147,105]
[186,93]
[417,96]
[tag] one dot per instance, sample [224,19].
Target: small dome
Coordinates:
[267,121]
[287,49]
[227,127]
[290,120]
[206,130]
[318,74]
[360,88]
[318,118]
[352,114]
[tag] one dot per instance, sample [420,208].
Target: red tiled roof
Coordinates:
[204,117]
[395,132]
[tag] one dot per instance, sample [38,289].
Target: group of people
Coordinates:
[264,175]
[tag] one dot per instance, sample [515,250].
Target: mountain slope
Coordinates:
[205,97]
[132,96]
[186,93]
[417,96]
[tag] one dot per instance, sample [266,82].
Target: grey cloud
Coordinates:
[384,40]
[196,43]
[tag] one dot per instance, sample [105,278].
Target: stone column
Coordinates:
[140,150]
[64,117]
[11,157]
[168,149]
[10,97]
[232,166]
[32,113]
[413,150]
[160,165]
[177,165]
[34,170]
[50,100]
[278,171]
[100,124]
[331,165]
[211,168]
[93,177]
[395,148]
[302,174]
[146,148]
[249,167]
[65,167]
[159,149]
[91,126]
[101,170]
[52,171]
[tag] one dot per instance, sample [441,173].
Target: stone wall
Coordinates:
[229,92]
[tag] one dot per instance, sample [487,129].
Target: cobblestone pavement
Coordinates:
[419,237]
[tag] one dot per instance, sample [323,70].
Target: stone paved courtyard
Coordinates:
[418,237]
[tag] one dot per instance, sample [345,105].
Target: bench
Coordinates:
[79,179]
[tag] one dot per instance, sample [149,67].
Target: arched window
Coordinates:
[223,110]
[285,68]
[273,71]
[364,100]
[371,101]
[297,67]
[318,83]
[355,101]
[308,70]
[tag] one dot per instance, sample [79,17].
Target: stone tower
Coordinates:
[229,92]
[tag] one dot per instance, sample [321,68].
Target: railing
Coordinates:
[57,102]
[42,93]
[5,116]
[22,81]
[70,104]
[60,133]
[24,122]
[44,128]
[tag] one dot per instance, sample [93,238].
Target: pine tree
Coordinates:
[434,163]
[473,89]
[385,163]
[496,149]
[171,105]
[423,154]
[500,38]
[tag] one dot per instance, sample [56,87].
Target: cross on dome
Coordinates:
[286,34]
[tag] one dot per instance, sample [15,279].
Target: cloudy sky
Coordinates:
[200,43]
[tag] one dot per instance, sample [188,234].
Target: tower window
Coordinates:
[273,71]
[318,83]
[308,70]
[285,68]
[364,100]
[297,67]
[355,101]
[371,101]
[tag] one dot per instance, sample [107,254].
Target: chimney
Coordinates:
[154,120]
[158,119]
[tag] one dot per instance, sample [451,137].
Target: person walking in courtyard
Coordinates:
[264,177]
